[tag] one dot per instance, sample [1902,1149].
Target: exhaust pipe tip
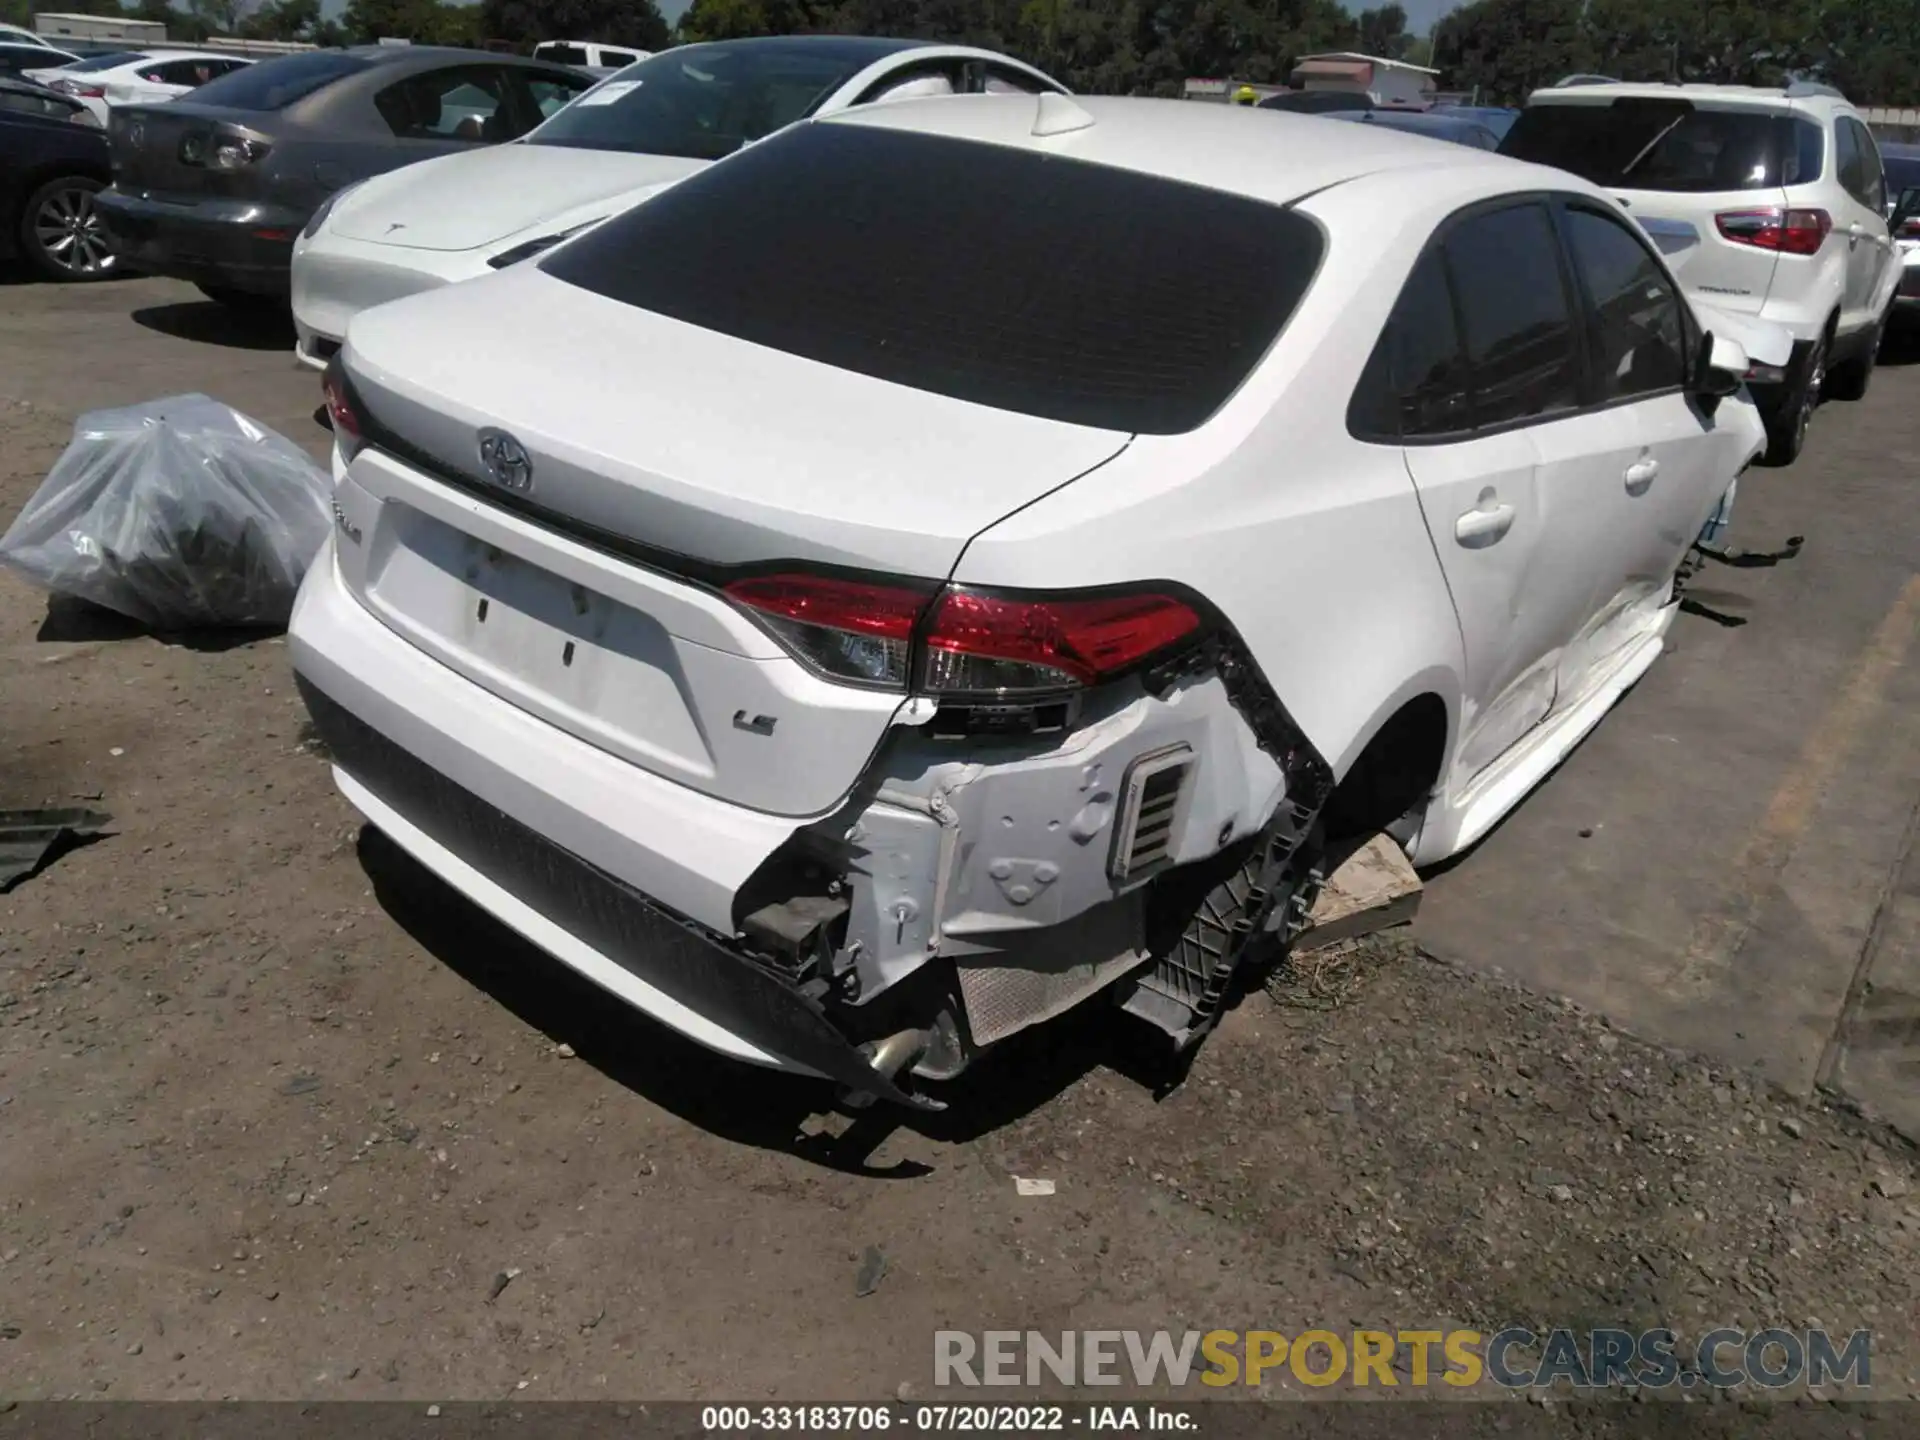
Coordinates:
[887,1057]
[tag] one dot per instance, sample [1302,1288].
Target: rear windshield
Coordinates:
[1052,287]
[1661,144]
[701,102]
[560,54]
[276,84]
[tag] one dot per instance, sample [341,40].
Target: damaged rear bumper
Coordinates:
[572,880]
[589,919]
[967,889]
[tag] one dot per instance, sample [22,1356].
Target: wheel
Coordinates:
[1849,380]
[1788,418]
[61,234]
[247,301]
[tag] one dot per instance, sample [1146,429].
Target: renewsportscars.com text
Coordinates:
[1513,1358]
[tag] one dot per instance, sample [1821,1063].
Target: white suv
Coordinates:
[1770,202]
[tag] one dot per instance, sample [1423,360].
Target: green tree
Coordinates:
[1383,32]
[1870,49]
[738,19]
[220,17]
[284,20]
[1507,48]
[425,22]
[637,23]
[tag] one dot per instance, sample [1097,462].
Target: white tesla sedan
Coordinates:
[952,560]
[632,135]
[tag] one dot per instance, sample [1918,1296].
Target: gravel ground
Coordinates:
[282,1117]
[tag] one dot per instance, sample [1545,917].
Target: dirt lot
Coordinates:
[283,1117]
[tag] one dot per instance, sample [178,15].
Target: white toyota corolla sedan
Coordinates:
[655,122]
[950,561]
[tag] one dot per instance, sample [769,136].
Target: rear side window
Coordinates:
[276,84]
[1661,144]
[550,92]
[185,72]
[1416,385]
[1514,314]
[1860,171]
[465,104]
[1635,326]
[617,57]
[1053,287]
[1005,80]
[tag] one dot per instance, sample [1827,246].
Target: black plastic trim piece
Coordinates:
[697,967]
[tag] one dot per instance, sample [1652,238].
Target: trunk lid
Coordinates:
[696,443]
[477,197]
[661,454]
[147,143]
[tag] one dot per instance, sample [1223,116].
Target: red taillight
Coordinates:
[979,643]
[1790,232]
[972,642]
[340,412]
[849,629]
[1909,229]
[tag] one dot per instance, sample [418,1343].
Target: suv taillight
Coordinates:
[969,642]
[1791,232]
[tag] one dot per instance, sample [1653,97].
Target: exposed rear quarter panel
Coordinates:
[1311,543]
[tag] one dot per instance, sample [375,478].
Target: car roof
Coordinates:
[1274,155]
[143,57]
[854,49]
[1754,95]
[425,56]
[1414,122]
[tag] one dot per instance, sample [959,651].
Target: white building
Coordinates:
[1386,82]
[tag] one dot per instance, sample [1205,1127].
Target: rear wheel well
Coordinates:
[1398,769]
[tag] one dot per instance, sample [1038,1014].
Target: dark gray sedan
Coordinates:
[214,189]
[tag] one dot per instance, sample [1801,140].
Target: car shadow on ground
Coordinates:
[736,1101]
[72,621]
[206,322]
[1902,345]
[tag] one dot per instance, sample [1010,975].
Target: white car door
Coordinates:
[1641,465]
[1482,347]
[1873,251]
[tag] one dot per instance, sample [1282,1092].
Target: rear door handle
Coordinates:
[1640,475]
[1483,526]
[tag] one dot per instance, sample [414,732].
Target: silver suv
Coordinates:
[1770,202]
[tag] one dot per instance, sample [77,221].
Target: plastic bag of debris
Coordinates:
[180,513]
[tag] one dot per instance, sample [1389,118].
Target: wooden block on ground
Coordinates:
[1373,888]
